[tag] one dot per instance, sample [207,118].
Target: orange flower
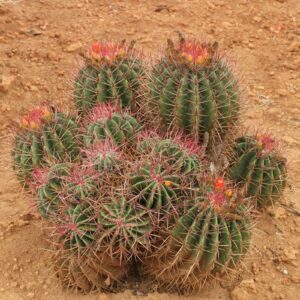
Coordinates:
[219,185]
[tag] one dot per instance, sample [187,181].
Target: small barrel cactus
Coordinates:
[88,272]
[102,156]
[111,74]
[155,186]
[126,229]
[62,184]
[45,135]
[193,90]
[47,185]
[210,238]
[78,226]
[257,166]
[105,122]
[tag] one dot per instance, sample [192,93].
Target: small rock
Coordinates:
[30,295]
[107,281]
[22,223]
[5,107]
[285,272]
[14,284]
[34,32]
[6,82]
[239,294]
[277,212]
[282,92]
[51,55]
[248,283]
[102,297]
[73,47]
[289,254]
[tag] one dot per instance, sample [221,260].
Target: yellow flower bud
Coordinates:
[168,183]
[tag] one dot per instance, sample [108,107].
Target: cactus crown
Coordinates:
[109,53]
[266,143]
[190,53]
[36,117]
[102,112]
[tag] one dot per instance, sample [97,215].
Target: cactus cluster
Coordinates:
[130,180]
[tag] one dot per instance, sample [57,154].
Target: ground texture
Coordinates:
[39,45]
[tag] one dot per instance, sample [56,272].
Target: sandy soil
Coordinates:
[39,42]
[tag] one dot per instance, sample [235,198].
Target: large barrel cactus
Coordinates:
[192,89]
[209,238]
[258,167]
[110,75]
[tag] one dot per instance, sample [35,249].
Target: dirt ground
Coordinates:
[39,45]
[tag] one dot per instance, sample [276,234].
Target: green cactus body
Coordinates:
[103,156]
[180,156]
[194,95]
[80,184]
[64,184]
[176,154]
[155,186]
[111,75]
[126,229]
[203,242]
[256,165]
[119,128]
[52,139]
[49,191]
[78,226]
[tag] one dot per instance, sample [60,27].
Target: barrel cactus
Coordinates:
[111,74]
[88,272]
[208,239]
[258,167]
[62,184]
[126,229]
[104,122]
[156,186]
[193,90]
[45,136]
[102,156]
[77,226]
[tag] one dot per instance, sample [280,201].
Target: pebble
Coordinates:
[248,283]
[102,297]
[30,295]
[282,92]
[285,272]
[73,47]
[6,82]
[107,281]
[239,294]
[277,212]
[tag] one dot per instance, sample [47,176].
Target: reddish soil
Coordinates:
[39,42]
